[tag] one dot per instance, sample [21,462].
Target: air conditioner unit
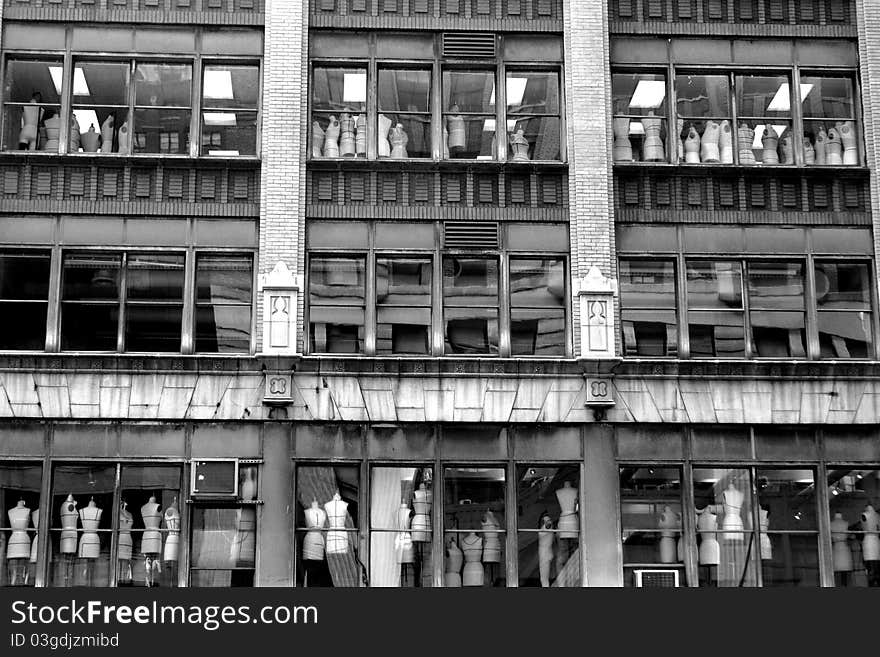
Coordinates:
[214,478]
[657,579]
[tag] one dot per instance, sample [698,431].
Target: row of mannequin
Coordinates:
[842,556]
[34,116]
[838,146]
[332,516]
[473,551]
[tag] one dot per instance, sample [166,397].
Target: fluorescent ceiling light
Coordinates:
[354,88]
[759,134]
[86,118]
[223,153]
[489,125]
[80,87]
[636,128]
[218,85]
[782,100]
[649,94]
[220,118]
[516,89]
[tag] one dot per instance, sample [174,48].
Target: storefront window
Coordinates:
[20,505]
[403,305]
[32,105]
[163,107]
[537,306]
[854,501]
[715,309]
[651,521]
[469,114]
[404,117]
[224,286]
[548,525]
[339,106]
[639,122]
[401,502]
[470,305]
[830,135]
[474,526]
[647,299]
[24,294]
[843,299]
[764,119]
[229,110]
[337,291]
[327,539]
[533,126]
[704,129]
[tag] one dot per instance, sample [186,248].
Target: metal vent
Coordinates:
[657,579]
[468,44]
[468,235]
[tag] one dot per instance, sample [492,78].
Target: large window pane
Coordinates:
[534,137]
[100,108]
[403,300]
[163,85]
[404,121]
[339,104]
[161,131]
[469,114]
[843,286]
[222,546]
[337,288]
[20,485]
[231,87]
[704,127]
[223,303]
[764,124]
[537,306]
[648,307]
[855,525]
[774,287]
[32,107]
[831,134]
[24,294]
[639,123]
[231,93]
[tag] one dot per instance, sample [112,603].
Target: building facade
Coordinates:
[439,293]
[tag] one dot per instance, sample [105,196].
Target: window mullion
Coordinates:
[66,97]
[746,309]
[372,110]
[114,528]
[187,334]
[121,301]
[53,310]
[195,141]
[370,304]
[734,115]
[797,125]
[812,315]
[503,305]
[500,112]
[437,302]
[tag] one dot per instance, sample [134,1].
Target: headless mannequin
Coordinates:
[122,139]
[692,146]
[725,142]
[89,140]
[622,149]
[172,537]
[31,115]
[821,141]
[337,512]
[745,138]
[834,148]
[69,518]
[770,141]
[124,543]
[545,549]
[568,521]
[848,138]
[384,146]
[709,144]
[151,540]
[331,138]
[472,547]
[732,522]
[707,525]
[669,523]
[809,152]
[73,138]
[107,129]
[347,145]
[871,544]
[313,542]
[399,140]
[360,140]
[457,131]
[53,131]
[653,150]
[421,522]
[787,148]
[520,147]
[90,542]
[454,560]
[317,140]
[841,553]
[18,549]
[491,538]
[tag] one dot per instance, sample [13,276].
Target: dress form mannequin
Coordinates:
[840,550]
[69,518]
[73,138]
[122,139]
[457,131]
[766,544]
[399,140]
[568,521]
[53,130]
[445,143]
[745,138]
[622,149]
[331,138]
[709,143]
[89,140]
[90,542]
[491,538]
[124,543]
[107,128]
[787,148]
[668,523]
[871,544]
[520,147]
[833,148]
[770,141]
[821,141]
[707,525]
[317,140]
[151,539]
[337,512]
[172,537]
[247,488]
[313,543]
[383,145]
[725,142]
[545,549]
[679,125]
[421,522]
[347,145]
[472,547]
[653,150]
[35,520]
[454,560]
[732,522]
[18,549]
[403,541]
[692,146]
[809,152]
[360,140]
[31,115]
[848,137]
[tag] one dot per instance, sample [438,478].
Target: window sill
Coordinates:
[132,157]
[427,162]
[738,167]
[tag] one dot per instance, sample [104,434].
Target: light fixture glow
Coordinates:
[516,89]
[354,88]
[86,118]
[649,94]
[218,85]
[80,87]
[220,118]
[782,100]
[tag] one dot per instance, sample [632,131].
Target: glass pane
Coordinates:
[532,92]
[403,331]
[339,89]
[714,285]
[647,283]
[223,546]
[637,140]
[826,98]
[336,329]
[28,331]
[80,532]
[345,135]
[537,332]
[337,281]
[776,285]
[707,142]
[474,521]
[727,551]
[650,508]
[163,85]
[855,525]
[716,334]
[20,509]
[153,328]
[89,327]
[846,335]
[404,91]
[100,130]
[33,123]
[778,335]
[401,500]
[787,497]
[789,559]
[32,81]
[161,131]
[638,94]
[154,277]
[24,276]
[833,143]
[148,540]
[223,329]
[549,525]
[702,96]
[231,87]
[469,137]
[224,279]
[403,281]
[537,282]
[469,92]
[533,138]
[649,332]
[470,281]
[771,142]
[471,330]
[100,83]
[91,277]
[843,286]
[326,523]
[229,133]
[763,96]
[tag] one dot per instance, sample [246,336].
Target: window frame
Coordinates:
[33,251]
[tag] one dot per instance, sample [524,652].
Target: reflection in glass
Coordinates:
[19,520]
[326,526]
[775,287]
[24,294]
[843,299]
[336,304]
[704,124]
[32,107]
[474,525]
[549,526]
[403,300]
[831,135]
[537,306]
[639,124]
[533,109]
[469,114]
[222,546]
[648,316]
[223,303]
[401,500]
[339,103]
[470,299]
[404,101]
[855,525]
[230,128]
[764,128]
[90,302]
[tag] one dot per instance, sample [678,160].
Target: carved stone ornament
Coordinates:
[280,288]
[595,293]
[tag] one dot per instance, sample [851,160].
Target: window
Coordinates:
[843,299]
[533,109]
[339,105]
[404,120]
[639,122]
[469,114]
[229,110]
[20,485]
[830,135]
[32,105]
[336,301]
[163,107]
[647,297]
[24,295]
[704,119]
[224,286]
[764,106]
[403,305]
[855,526]
[100,108]
[90,302]
[537,306]
[470,305]
[715,309]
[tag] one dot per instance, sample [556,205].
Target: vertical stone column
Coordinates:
[588,107]
[868,15]
[283,141]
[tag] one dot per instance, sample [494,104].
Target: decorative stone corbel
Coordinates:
[280,288]
[595,294]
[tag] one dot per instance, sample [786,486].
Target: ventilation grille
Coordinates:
[467,235]
[468,44]
[657,579]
